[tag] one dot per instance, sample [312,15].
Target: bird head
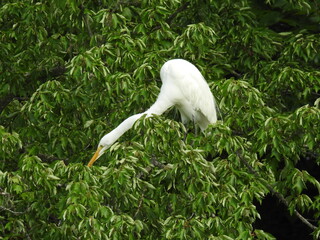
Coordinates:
[104,144]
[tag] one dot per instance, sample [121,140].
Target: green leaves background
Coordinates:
[72,70]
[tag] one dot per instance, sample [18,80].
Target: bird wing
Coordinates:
[193,88]
[200,95]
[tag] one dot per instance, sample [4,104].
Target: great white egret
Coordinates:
[183,86]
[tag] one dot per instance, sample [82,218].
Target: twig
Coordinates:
[139,205]
[156,163]
[50,159]
[11,211]
[149,168]
[273,191]
[86,20]
[4,193]
[28,236]
[236,74]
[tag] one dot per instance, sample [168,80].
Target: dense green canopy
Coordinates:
[71,71]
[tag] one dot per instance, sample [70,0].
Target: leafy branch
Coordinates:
[44,75]
[273,191]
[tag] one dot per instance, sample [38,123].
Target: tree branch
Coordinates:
[273,191]
[173,15]
[4,102]
[180,9]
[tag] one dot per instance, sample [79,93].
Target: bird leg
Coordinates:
[195,128]
[185,136]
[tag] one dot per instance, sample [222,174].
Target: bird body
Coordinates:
[186,88]
[183,86]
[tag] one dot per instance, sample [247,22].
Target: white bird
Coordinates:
[183,86]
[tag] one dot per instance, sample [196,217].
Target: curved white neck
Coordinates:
[160,106]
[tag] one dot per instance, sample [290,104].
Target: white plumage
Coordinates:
[183,86]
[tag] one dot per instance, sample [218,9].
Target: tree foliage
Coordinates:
[72,70]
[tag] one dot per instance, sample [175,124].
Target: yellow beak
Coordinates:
[95,156]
